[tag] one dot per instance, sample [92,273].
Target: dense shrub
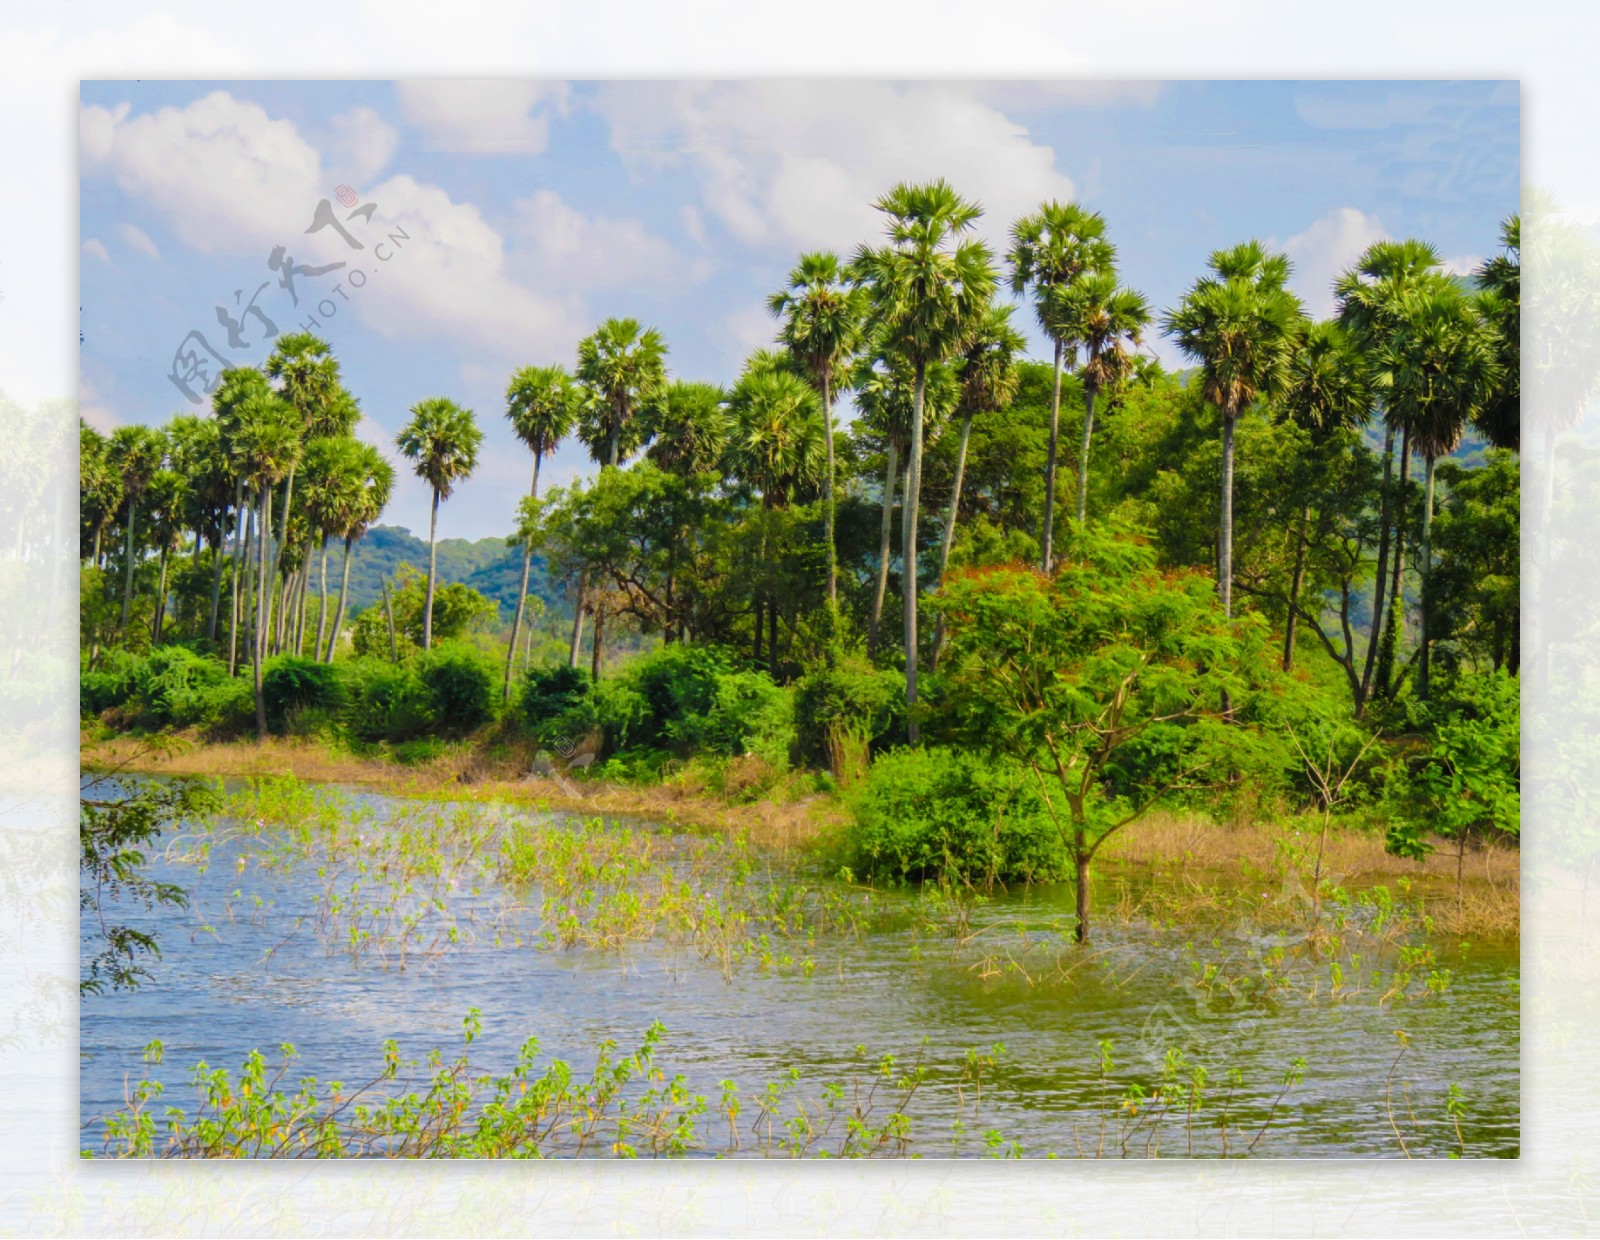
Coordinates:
[460,686]
[178,688]
[292,682]
[548,692]
[111,684]
[937,813]
[840,709]
[387,702]
[697,699]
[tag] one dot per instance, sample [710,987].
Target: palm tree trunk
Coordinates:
[890,473]
[433,556]
[322,605]
[1381,580]
[1225,528]
[216,588]
[1083,456]
[261,620]
[522,594]
[1046,534]
[908,537]
[161,601]
[1427,572]
[344,591]
[1294,587]
[95,558]
[388,614]
[828,498]
[950,532]
[594,655]
[577,624]
[127,584]
[1394,628]
[277,555]
[241,601]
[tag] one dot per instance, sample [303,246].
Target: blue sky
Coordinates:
[532,210]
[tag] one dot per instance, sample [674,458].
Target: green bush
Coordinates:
[293,682]
[549,692]
[947,813]
[460,685]
[111,684]
[387,702]
[698,699]
[841,709]
[176,687]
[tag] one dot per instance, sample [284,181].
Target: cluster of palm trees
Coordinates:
[915,329]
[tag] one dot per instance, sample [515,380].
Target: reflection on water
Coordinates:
[254,963]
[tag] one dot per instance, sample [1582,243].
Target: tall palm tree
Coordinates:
[929,287]
[266,443]
[360,507]
[1499,305]
[1109,321]
[1443,372]
[237,388]
[688,426]
[542,405]
[1051,251]
[989,379]
[776,445]
[331,481]
[822,317]
[623,366]
[1327,395]
[1368,298]
[1240,323]
[99,487]
[165,503]
[442,441]
[135,452]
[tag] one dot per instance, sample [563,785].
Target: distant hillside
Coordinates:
[487,565]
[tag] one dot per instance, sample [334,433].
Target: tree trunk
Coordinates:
[577,624]
[241,585]
[522,594]
[127,583]
[433,556]
[1381,580]
[1225,528]
[1394,629]
[1427,573]
[1081,858]
[344,591]
[216,588]
[1047,534]
[950,533]
[1294,587]
[260,635]
[161,601]
[240,520]
[599,637]
[388,614]
[889,476]
[828,498]
[322,606]
[908,537]
[1083,456]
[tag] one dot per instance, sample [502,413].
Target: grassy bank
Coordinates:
[1168,866]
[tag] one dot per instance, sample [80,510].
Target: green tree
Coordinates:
[929,286]
[688,427]
[623,366]
[1474,588]
[822,317]
[166,503]
[99,488]
[1500,306]
[1052,250]
[542,405]
[441,440]
[1240,323]
[1104,680]
[1107,319]
[135,452]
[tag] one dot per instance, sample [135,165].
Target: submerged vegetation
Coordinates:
[1184,643]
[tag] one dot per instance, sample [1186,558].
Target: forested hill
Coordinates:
[487,565]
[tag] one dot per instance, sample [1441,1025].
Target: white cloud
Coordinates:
[561,247]
[1324,250]
[484,116]
[93,409]
[138,239]
[693,223]
[361,146]
[97,248]
[751,328]
[1462,264]
[799,163]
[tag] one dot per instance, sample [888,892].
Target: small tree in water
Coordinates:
[1106,680]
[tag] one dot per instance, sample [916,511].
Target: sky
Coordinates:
[499,221]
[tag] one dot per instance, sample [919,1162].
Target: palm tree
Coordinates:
[1499,305]
[1369,297]
[361,506]
[989,380]
[1240,323]
[822,314]
[166,496]
[542,404]
[930,286]
[331,482]
[1051,251]
[1106,319]
[266,444]
[442,441]
[688,427]
[1443,372]
[99,486]
[135,452]
[622,366]
[237,389]
[777,437]
[1327,395]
